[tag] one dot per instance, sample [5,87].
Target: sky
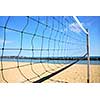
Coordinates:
[92,23]
[73,37]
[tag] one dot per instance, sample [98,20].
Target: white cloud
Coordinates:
[64,30]
[74,27]
[7,41]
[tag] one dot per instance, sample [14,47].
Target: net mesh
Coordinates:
[36,48]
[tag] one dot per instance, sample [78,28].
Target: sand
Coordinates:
[28,73]
[78,74]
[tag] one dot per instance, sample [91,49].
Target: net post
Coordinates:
[88,58]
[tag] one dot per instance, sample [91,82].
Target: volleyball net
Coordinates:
[36,48]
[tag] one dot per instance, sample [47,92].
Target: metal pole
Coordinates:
[88,58]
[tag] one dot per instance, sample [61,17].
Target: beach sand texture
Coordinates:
[76,73]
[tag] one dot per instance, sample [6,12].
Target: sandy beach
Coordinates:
[78,74]
[27,73]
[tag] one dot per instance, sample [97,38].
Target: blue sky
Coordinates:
[71,33]
[93,25]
